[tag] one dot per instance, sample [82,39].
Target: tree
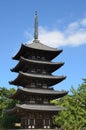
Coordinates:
[74,117]
[5,103]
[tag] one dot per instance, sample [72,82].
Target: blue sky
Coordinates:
[62,24]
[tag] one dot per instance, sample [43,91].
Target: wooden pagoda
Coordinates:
[35,81]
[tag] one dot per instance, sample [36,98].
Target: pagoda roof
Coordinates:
[35,107]
[24,79]
[36,46]
[52,66]
[52,94]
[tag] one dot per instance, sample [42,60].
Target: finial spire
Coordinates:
[36,26]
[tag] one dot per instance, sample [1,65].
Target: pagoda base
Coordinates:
[31,129]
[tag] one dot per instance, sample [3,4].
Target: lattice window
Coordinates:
[32,84]
[45,101]
[39,100]
[44,71]
[33,70]
[44,85]
[33,57]
[38,57]
[43,58]
[38,70]
[38,84]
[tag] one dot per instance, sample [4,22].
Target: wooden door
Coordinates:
[39,124]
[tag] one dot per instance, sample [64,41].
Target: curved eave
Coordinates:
[20,52]
[25,48]
[51,94]
[24,79]
[21,66]
[35,107]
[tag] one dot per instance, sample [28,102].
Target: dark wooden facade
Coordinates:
[35,81]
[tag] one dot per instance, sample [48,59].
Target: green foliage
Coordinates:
[4,100]
[74,117]
[6,120]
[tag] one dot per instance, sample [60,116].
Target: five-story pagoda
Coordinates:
[34,83]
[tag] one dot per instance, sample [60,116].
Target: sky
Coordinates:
[62,24]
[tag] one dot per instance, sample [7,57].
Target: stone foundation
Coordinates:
[31,129]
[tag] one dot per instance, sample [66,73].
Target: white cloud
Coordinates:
[83,22]
[73,35]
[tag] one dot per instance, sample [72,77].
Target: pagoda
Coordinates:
[34,82]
